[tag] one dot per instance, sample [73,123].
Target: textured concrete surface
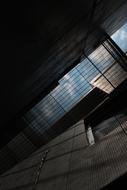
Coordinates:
[35,136]
[71,163]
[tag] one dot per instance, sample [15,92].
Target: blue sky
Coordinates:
[120,37]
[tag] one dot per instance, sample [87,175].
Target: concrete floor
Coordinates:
[71,163]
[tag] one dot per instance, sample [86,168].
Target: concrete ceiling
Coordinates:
[40,40]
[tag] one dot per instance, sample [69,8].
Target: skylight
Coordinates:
[98,70]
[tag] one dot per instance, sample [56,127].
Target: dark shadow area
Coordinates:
[119,183]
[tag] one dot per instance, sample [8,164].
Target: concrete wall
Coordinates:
[35,136]
[71,163]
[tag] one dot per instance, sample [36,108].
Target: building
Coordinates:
[63,97]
